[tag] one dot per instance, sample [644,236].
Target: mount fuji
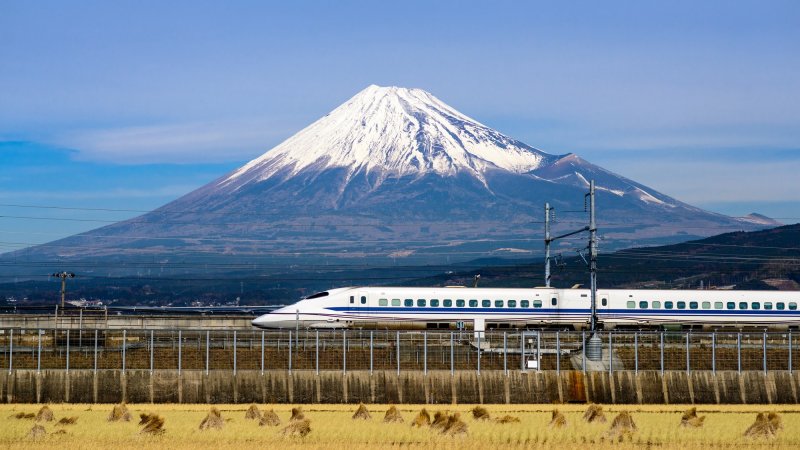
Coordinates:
[395,173]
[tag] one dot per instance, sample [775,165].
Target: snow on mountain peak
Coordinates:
[394,131]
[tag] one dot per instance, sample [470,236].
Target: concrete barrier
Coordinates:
[435,387]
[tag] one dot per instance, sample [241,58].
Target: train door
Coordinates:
[363,303]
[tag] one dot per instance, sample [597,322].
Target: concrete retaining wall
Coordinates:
[169,386]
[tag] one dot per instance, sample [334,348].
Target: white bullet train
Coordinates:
[482,308]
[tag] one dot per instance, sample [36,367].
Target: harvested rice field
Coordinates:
[332,427]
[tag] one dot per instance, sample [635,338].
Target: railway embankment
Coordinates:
[418,387]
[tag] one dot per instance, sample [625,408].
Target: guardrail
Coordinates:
[387,350]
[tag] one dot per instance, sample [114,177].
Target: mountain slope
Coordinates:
[391,173]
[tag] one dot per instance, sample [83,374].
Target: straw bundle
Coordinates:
[594,414]
[213,420]
[393,415]
[269,418]
[362,413]
[558,420]
[423,419]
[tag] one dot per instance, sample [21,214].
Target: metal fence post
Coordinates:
[67,362]
[398,353]
[124,348]
[479,353]
[636,352]
[262,352]
[290,351]
[764,342]
[539,351]
[95,351]
[344,351]
[610,352]
[208,344]
[234,353]
[425,352]
[505,353]
[661,351]
[180,351]
[371,347]
[39,354]
[739,352]
[714,352]
[151,351]
[452,355]
[316,353]
[11,352]
[558,353]
[688,366]
[583,353]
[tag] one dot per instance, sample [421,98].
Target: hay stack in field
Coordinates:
[119,413]
[455,426]
[297,414]
[423,419]
[145,417]
[297,428]
[362,413]
[269,418]
[62,431]
[252,413]
[690,419]
[507,419]
[557,420]
[37,432]
[22,415]
[622,426]
[594,414]
[440,420]
[393,415]
[154,425]
[213,420]
[67,420]
[480,413]
[764,427]
[45,414]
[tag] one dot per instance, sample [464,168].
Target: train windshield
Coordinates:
[317,295]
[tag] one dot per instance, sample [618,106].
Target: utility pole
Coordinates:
[547,244]
[592,255]
[63,276]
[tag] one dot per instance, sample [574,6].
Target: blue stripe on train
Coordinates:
[438,310]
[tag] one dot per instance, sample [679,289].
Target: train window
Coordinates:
[706,305]
[692,305]
[395,302]
[717,305]
[421,302]
[731,305]
[473,303]
[780,306]
[363,299]
[755,305]
[383,302]
[767,305]
[668,305]
[409,302]
[742,305]
[512,303]
[460,303]
[537,303]
[792,306]
[643,304]
[352,299]
[604,302]
[681,305]
[486,303]
[631,304]
[434,302]
[656,304]
[498,303]
[554,301]
[447,303]
[524,304]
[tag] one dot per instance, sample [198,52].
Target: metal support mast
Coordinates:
[592,255]
[547,241]
[63,276]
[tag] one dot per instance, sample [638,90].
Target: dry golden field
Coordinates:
[333,428]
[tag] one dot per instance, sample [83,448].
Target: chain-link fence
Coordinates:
[343,350]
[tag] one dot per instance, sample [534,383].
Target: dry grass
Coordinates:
[270,419]
[455,426]
[362,413]
[213,420]
[440,420]
[480,413]
[297,414]
[507,419]
[766,426]
[332,429]
[252,413]
[423,419]
[622,427]
[690,419]
[153,426]
[594,414]
[393,415]
[299,428]
[37,432]
[23,415]
[68,420]
[45,414]
[119,413]
[558,420]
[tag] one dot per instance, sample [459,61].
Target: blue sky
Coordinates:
[130,104]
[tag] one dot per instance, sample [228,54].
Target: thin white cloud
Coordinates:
[199,142]
[170,191]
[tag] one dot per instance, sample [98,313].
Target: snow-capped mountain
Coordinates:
[397,173]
